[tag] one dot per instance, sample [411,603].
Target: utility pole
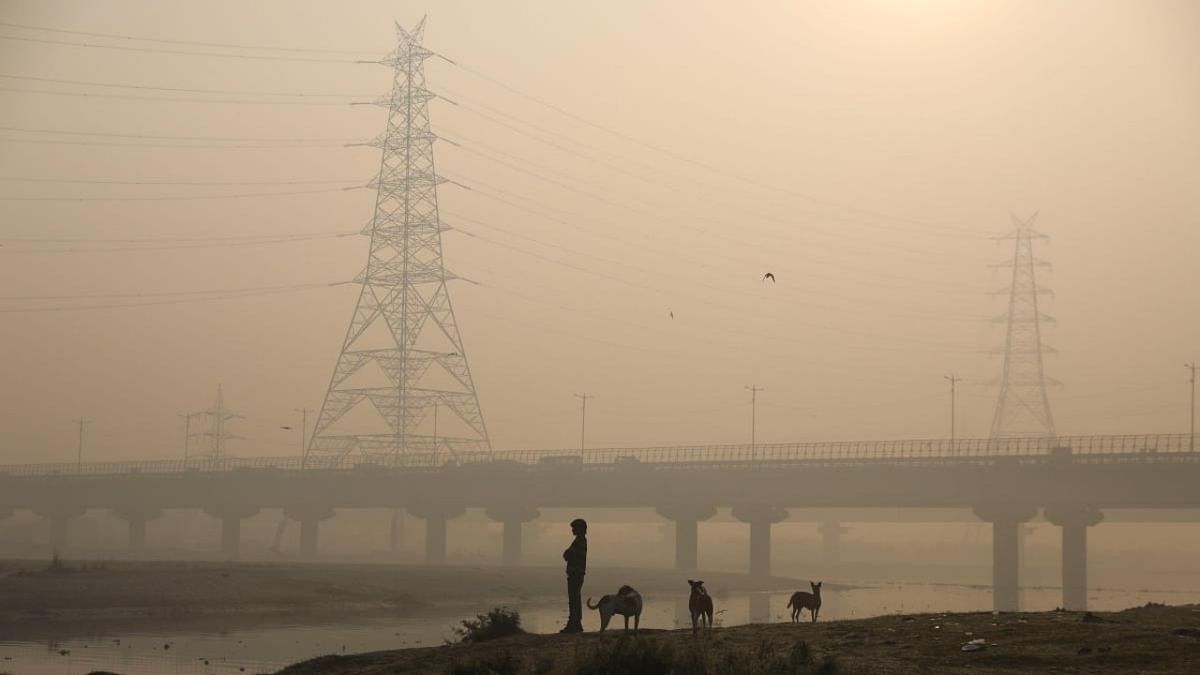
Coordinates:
[187,436]
[583,418]
[79,452]
[303,428]
[754,389]
[1192,427]
[435,412]
[953,380]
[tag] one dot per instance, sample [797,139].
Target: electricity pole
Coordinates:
[953,380]
[1192,427]
[303,428]
[187,436]
[583,418]
[79,452]
[754,389]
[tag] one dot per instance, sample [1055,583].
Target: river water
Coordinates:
[240,645]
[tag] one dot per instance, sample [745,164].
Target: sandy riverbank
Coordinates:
[1157,640]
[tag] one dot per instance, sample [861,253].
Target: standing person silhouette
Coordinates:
[576,557]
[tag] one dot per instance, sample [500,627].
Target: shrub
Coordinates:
[498,623]
[496,664]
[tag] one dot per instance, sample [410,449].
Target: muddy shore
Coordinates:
[1153,639]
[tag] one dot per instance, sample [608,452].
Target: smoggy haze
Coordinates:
[898,136]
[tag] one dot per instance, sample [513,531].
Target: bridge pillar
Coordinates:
[1074,521]
[436,519]
[514,518]
[687,519]
[831,540]
[310,517]
[231,516]
[137,517]
[1006,521]
[60,517]
[760,518]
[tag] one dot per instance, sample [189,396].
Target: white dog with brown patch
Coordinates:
[626,602]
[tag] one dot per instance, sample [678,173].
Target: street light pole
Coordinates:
[754,389]
[1192,427]
[187,436]
[303,429]
[953,380]
[583,419]
[79,451]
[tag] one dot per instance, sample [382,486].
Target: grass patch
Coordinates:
[631,655]
[498,623]
[496,664]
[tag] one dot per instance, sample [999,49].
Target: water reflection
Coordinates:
[239,645]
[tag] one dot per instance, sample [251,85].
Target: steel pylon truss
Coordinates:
[1023,408]
[213,435]
[404,292]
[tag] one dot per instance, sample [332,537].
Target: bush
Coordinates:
[496,664]
[498,623]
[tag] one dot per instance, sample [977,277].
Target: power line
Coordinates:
[683,158]
[102,181]
[154,50]
[243,195]
[175,301]
[91,83]
[227,45]
[191,146]
[175,240]
[173,247]
[265,139]
[163,294]
[170,99]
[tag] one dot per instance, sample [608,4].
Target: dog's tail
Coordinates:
[790,601]
[591,606]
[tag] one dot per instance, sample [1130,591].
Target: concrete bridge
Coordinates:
[1069,480]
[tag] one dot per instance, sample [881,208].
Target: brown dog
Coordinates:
[626,602]
[700,604]
[810,601]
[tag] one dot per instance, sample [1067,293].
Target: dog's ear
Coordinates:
[691,583]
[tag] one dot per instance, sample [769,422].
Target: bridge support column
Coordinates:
[687,519]
[514,519]
[137,517]
[60,517]
[310,517]
[231,516]
[1006,521]
[396,531]
[760,519]
[1074,521]
[436,521]
[831,540]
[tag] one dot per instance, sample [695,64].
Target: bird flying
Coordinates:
[770,276]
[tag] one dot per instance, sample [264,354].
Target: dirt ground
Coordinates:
[1152,639]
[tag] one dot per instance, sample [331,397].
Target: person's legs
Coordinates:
[575,602]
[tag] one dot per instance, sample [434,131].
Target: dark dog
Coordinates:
[626,602]
[810,601]
[700,604]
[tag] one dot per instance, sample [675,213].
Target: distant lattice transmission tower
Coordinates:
[213,435]
[1023,408]
[402,361]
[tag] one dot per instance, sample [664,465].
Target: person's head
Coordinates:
[579,526]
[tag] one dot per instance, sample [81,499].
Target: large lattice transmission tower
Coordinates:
[403,361]
[212,433]
[1023,408]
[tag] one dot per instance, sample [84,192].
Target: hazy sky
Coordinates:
[863,152]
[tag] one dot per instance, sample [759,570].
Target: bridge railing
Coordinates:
[1089,448]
